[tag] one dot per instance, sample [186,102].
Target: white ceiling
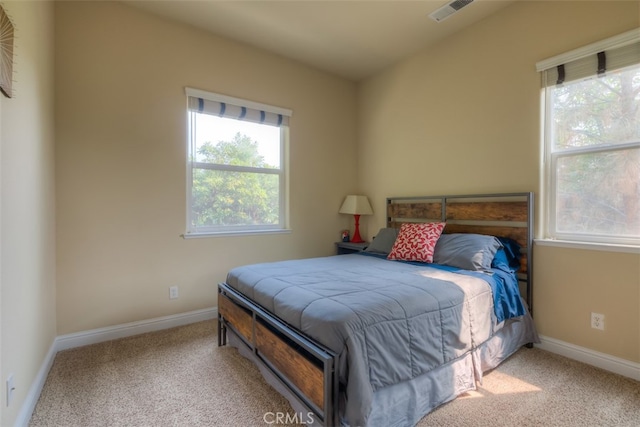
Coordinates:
[351,38]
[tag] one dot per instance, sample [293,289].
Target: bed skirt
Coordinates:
[404,404]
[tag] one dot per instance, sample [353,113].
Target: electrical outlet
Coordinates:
[597,321]
[173,292]
[11,387]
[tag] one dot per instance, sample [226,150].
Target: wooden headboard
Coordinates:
[505,215]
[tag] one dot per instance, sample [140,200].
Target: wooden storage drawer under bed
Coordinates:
[301,365]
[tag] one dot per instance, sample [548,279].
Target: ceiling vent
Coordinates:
[449,9]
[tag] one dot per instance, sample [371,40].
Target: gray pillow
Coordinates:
[468,251]
[383,242]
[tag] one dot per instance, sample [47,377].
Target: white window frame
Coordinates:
[229,230]
[550,158]
[551,162]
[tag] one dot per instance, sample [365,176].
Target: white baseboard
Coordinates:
[604,361]
[93,336]
[79,339]
[29,404]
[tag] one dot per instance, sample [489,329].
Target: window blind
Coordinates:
[236,108]
[613,53]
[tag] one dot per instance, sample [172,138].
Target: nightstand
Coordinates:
[343,248]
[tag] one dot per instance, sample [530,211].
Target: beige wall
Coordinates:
[463,117]
[120,161]
[27,227]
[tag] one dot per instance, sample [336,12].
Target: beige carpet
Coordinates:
[179,377]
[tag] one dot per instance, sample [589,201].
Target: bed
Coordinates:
[366,339]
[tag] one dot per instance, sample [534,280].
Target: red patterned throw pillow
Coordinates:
[416,242]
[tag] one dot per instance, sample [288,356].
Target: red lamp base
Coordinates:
[356,234]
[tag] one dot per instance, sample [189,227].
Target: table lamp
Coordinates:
[356,206]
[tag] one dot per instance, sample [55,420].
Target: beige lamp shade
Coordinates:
[356,205]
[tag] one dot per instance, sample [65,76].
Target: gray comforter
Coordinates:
[388,321]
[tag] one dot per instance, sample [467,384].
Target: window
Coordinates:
[236,165]
[592,142]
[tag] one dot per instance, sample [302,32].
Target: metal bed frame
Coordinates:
[305,367]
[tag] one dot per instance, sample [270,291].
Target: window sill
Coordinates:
[603,247]
[233,233]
